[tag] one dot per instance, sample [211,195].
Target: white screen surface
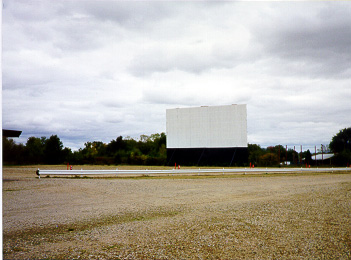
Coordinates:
[207,127]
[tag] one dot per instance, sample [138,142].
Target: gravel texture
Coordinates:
[267,216]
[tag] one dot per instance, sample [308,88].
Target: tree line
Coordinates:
[276,155]
[151,150]
[340,145]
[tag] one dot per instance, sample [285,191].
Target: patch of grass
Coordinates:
[195,176]
[39,234]
[114,247]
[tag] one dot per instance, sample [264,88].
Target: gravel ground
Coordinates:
[266,216]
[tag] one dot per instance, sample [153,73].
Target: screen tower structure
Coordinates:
[207,135]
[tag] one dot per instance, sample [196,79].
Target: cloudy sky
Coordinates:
[94,70]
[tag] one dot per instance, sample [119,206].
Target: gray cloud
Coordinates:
[94,70]
[312,42]
[130,14]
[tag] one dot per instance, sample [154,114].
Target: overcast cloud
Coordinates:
[94,70]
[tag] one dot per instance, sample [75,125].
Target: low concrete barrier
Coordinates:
[186,171]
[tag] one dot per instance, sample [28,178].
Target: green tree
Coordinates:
[341,146]
[67,155]
[53,150]
[8,150]
[308,156]
[13,153]
[94,152]
[343,158]
[269,159]
[255,152]
[35,150]
[76,157]
[293,156]
[115,145]
[341,141]
[279,150]
[89,152]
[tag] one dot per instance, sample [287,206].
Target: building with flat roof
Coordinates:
[11,133]
[207,135]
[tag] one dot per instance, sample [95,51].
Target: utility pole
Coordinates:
[315,154]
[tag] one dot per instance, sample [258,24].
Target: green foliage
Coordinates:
[255,152]
[272,155]
[149,150]
[269,159]
[293,156]
[308,157]
[341,146]
[341,141]
[35,149]
[343,158]
[13,153]
[53,150]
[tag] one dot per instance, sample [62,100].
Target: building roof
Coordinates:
[326,156]
[11,133]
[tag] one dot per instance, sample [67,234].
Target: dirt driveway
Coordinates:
[203,217]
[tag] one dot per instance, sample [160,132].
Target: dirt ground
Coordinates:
[268,216]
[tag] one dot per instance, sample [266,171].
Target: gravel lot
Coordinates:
[267,216]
